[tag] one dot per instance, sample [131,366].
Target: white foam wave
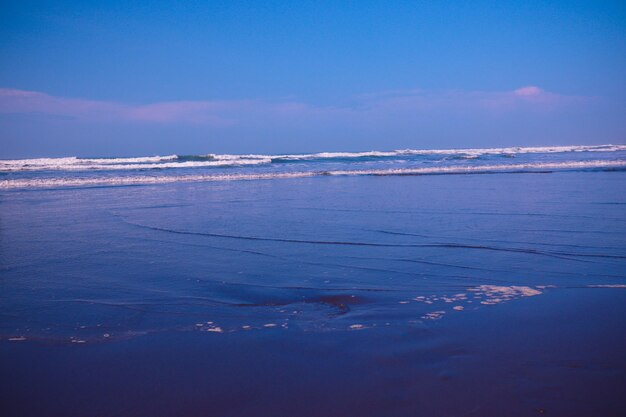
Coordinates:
[72,160]
[458,169]
[468,152]
[174,161]
[122,164]
[139,160]
[164,179]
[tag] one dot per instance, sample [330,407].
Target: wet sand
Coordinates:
[455,296]
[541,356]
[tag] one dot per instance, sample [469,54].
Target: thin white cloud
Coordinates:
[224,113]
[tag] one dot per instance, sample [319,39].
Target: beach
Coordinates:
[312,209]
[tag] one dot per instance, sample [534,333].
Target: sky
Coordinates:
[122,78]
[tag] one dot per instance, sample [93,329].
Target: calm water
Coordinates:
[360,293]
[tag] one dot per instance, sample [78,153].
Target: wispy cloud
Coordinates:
[529,91]
[14,101]
[224,113]
[523,98]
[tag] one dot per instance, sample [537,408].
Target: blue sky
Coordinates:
[127,78]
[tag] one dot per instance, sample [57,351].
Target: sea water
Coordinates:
[470,282]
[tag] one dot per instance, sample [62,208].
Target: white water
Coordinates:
[220,160]
[163,179]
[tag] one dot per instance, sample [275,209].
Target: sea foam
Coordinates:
[437,170]
[222,160]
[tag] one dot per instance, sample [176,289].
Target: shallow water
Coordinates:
[449,295]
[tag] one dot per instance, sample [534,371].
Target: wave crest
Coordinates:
[165,179]
[221,160]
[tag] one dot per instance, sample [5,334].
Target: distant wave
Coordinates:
[469,153]
[225,160]
[440,170]
[122,164]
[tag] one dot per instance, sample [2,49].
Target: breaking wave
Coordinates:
[225,160]
[542,167]
[124,164]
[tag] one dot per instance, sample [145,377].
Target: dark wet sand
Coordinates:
[539,356]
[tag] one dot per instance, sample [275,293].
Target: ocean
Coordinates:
[461,282]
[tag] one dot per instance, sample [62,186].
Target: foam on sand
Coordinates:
[481,294]
[16,339]
[495,294]
[434,315]
[607,286]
